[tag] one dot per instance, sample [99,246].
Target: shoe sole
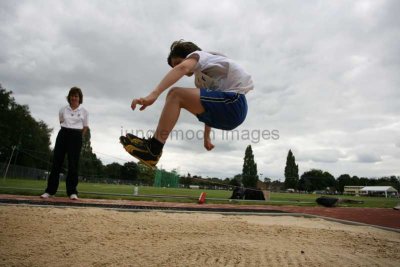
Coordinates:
[132,138]
[126,142]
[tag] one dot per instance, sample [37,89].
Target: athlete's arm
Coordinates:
[207,140]
[185,67]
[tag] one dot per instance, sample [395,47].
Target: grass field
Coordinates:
[112,191]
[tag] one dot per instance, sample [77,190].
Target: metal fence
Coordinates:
[17,171]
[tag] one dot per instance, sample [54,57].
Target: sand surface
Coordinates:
[49,236]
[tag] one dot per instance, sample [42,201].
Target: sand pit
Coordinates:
[49,236]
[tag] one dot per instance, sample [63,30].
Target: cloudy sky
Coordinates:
[326,76]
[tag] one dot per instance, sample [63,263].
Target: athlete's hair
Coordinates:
[75,91]
[181,49]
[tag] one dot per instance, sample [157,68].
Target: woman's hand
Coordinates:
[144,101]
[84,131]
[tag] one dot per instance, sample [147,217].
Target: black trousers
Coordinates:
[68,142]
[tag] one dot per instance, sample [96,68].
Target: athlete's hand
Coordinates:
[207,143]
[144,101]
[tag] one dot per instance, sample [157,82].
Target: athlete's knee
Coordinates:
[173,93]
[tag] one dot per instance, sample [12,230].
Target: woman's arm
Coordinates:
[85,123]
[61,115]
[84,130]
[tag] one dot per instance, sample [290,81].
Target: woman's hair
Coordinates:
[75,91]
[181,49]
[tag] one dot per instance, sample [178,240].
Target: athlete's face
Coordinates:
[175,61]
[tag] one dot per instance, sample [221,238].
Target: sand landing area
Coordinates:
[379,217]
[87,236]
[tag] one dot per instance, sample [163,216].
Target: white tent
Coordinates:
[378,189]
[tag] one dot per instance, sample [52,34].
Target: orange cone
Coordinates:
[202,198]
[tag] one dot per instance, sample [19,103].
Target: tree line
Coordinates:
[319,180]
[310,181]
[28,140]
[18,129]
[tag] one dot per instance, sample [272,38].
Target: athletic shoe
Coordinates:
[133,138]
[140,149]
[73,197]
[46,195]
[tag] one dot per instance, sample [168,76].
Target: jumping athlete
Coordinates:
[218,100]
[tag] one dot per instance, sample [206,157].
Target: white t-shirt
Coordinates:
[74,119]
[219,73]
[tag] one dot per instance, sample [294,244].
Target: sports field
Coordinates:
[113,191]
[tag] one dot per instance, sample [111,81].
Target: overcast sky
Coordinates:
[326,74]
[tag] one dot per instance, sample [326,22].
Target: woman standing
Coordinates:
[74,124]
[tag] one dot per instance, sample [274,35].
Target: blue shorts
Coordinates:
[223,110]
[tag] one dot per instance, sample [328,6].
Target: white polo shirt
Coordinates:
[74,119]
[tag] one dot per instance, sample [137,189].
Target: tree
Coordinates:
[146,174]
[316,180]
[291,172]
[113,170]
[342,181]
[395,182]
[19,129]
[355,180]
[389,181]
[89,164]
[236,180]
[249,172]
[185,180]
[276,186]
[130,171]
[366,182]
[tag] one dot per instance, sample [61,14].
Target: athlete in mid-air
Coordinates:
[218,100]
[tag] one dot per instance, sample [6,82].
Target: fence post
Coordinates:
[8,165]
[135,190]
